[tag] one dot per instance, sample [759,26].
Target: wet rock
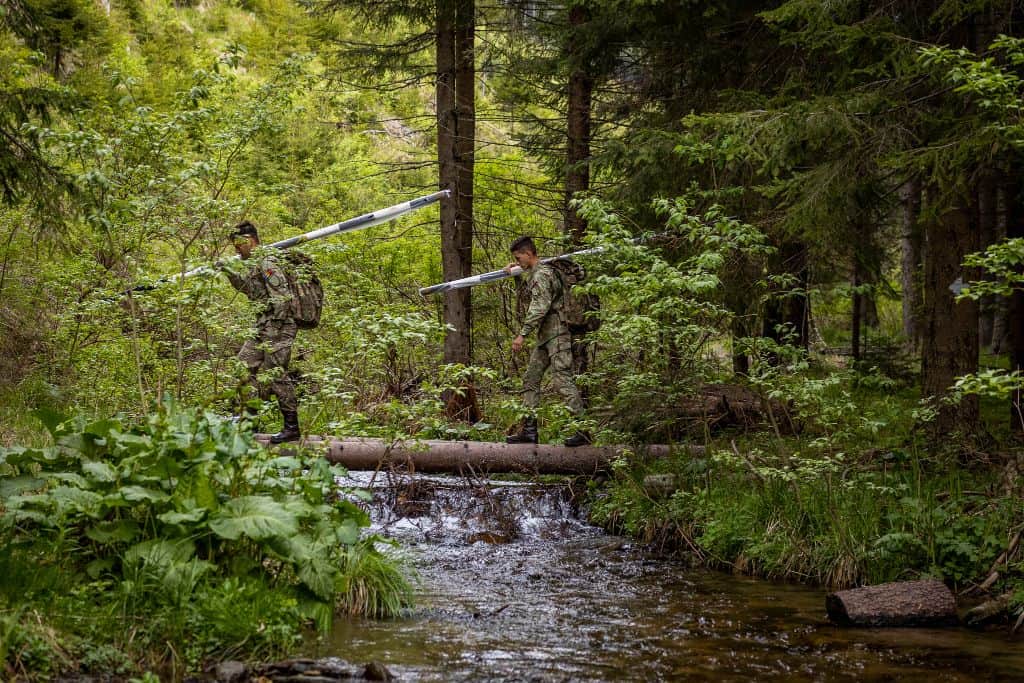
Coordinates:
[231,672]
[375,671]
[307,671]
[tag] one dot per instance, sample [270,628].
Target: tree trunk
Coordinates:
[910,262]
[465,153]
[904,603]
[452,133]
[474,457]
[987,230]
[787,314]
[1015,229]
[581,88]
[1001,316]
[856,309]
[950,342]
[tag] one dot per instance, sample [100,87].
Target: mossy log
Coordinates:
[903,603]
[471,456]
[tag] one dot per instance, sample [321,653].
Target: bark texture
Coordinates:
[470,456]
[581,90]
[950,342]
[903,603]
[787,314]
[456,133]
[910,260]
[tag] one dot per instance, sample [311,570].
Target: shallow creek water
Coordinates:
[513,586]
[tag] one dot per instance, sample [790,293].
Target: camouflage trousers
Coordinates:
[267,357]
[556,354]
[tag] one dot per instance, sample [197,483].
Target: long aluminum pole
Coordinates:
[495,275]
[367,220]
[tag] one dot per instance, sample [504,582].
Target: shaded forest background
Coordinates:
[869,148]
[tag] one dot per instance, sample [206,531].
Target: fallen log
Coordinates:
[471,456]
[996,609]
[903,603]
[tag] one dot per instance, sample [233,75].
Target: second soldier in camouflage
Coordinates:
[554,342]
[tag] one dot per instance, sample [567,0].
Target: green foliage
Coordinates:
[186,518]
[662,308]
[836,520]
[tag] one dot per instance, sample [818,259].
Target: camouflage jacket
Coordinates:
[266,282]
[544,313]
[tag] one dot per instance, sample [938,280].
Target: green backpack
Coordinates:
[307,292]
[579,309]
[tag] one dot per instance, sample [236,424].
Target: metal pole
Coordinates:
[496,275]
[367,220]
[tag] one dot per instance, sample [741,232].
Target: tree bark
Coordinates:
[787,314]
[987,236]
[856,309]
[581,89]
[456,216]
[1001,316]
[904,603]
[910,261]
[465,136]
[1015,229]
[950,342]
[472,456]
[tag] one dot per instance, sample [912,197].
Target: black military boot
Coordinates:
[290,431]
[578,439]
[528,434]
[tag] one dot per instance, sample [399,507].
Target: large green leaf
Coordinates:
[257,517]
[72,478]
[195,483]
[160,552]
[351,510]
[18,485]
[319,576]
[112,531]
[50,418]
[137,494]
[348,532]
[18,456]
[286,462]
[35,500]
[96,568]
[190,517]
[78,500]
[99,471]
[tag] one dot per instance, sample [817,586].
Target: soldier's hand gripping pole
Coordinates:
[367,220]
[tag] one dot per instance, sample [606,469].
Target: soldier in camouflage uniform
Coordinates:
[554,343]
[269,351]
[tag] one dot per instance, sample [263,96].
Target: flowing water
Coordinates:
[514,586]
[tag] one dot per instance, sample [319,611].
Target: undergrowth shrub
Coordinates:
[184,528]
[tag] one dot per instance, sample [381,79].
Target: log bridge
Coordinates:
[471,456]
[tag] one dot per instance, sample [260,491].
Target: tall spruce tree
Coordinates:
[447,26]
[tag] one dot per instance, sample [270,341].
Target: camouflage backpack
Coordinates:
[307,292]
[579,309]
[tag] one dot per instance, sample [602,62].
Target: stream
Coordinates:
[514,586]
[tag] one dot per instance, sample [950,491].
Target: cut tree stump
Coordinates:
[903,603]
[472,456]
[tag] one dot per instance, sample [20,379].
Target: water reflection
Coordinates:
[514,587]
